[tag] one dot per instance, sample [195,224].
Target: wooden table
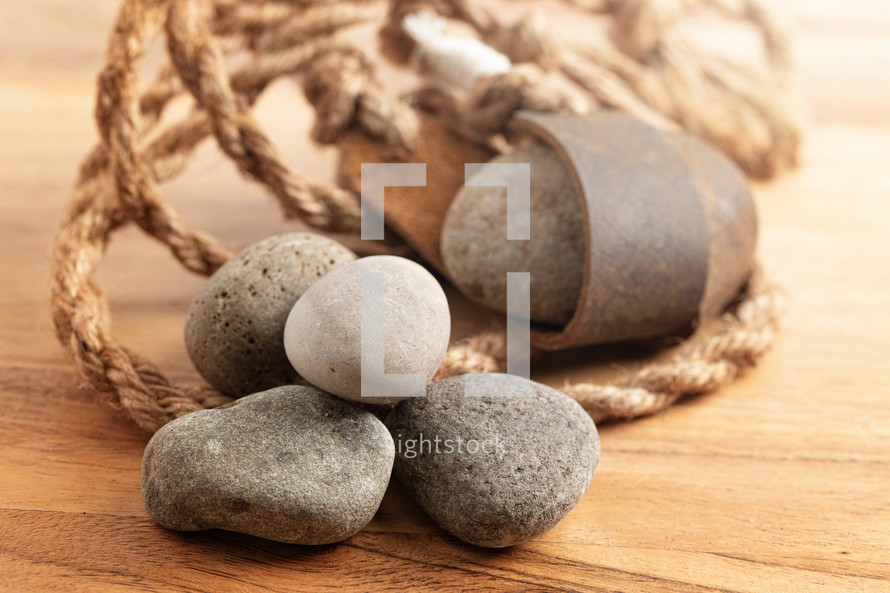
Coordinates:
[780,482]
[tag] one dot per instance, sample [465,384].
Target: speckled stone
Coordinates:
[541,453]
[292,464]
[235,325]
[478,255]
[323,336]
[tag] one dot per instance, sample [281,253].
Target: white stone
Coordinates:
[323,333]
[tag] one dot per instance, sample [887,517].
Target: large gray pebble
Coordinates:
[478,255]
[292,464]
[235,326]
[541,453]
[323,335]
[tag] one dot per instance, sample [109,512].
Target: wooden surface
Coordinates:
[780,482]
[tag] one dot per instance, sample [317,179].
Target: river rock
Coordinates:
[478,255]
[534,456]
[235,325]
[292,464]
[323,334]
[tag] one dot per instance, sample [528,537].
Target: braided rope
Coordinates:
[703,364]
[119,180]
[652,72]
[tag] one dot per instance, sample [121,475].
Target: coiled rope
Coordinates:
[649,70]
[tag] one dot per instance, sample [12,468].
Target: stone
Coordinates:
[292,464]
[235,326]
[478,255]
[323,334]
[494,470]
[669,226]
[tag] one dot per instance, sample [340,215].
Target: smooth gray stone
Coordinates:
[323,335]
[235,326]
[536,454]
[478,255]
[292,464]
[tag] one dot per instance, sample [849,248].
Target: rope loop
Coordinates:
[478,84]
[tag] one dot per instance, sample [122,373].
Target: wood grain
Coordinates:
[777,483]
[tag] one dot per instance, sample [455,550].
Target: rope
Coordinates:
[651,72]
[700,366]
